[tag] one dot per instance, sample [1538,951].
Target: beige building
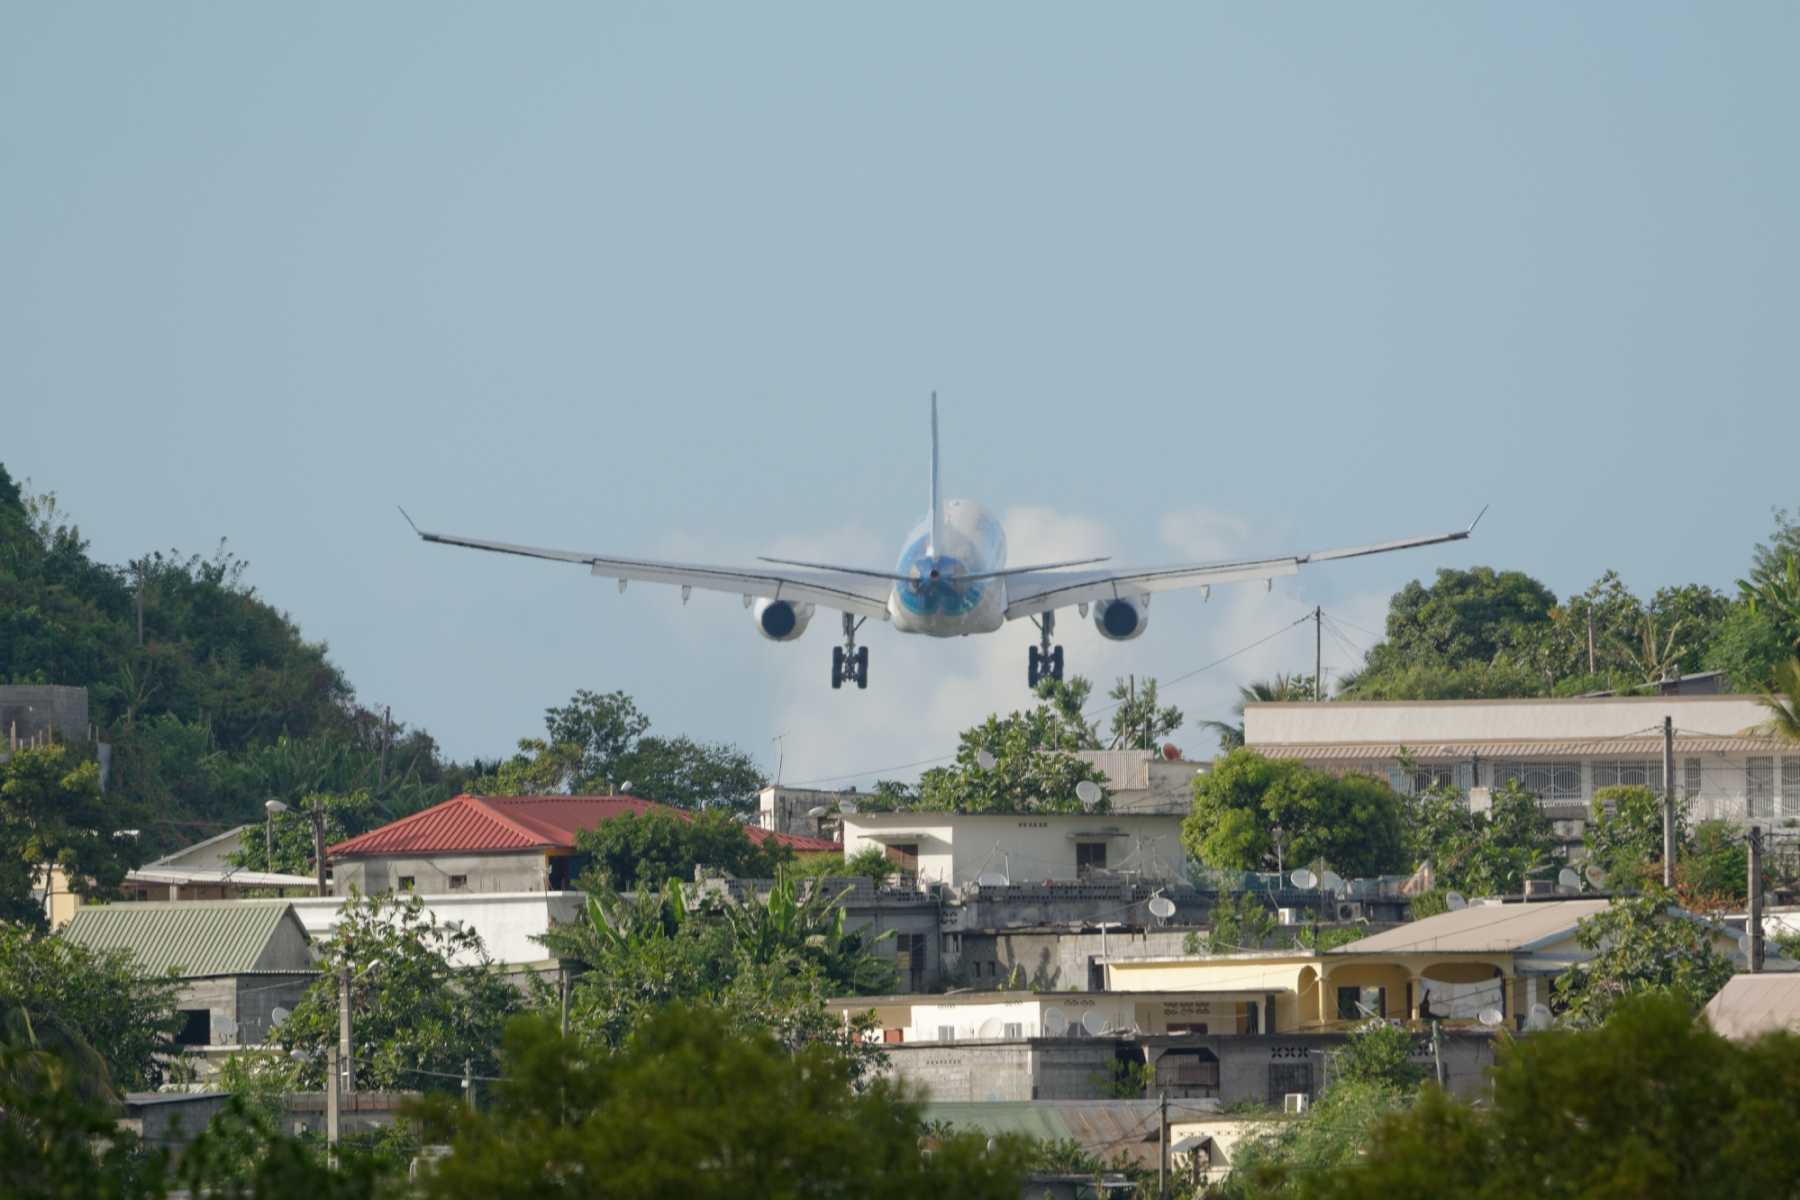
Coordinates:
[964,848]
[1563,750]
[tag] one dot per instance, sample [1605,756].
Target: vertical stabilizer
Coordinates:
[937,508]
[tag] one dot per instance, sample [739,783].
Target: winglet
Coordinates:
[409,521]
[1476,521]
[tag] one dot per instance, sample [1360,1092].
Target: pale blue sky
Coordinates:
[677,280]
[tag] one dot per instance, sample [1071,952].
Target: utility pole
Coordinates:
[1755,929]
[1437,1053]
[1318,653]
[1668,802]
[562,987]
[331,1098]
[1590,617]
[318,824]
[1162,1149]
[343,1047]
[387,735]
[468,1085]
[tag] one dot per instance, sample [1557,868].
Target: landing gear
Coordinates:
[1045,661]
[850,661]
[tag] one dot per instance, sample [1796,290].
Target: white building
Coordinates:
[1563,750]
[1010,1016]
[960,848]
[508,922]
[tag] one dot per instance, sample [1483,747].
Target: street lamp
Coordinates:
[270,807]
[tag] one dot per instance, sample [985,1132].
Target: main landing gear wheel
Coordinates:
[850,661]
[1044,661]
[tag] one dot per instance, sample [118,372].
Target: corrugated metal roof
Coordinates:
[497,824]
[191,937]
[1752,1005]
[1537,748]
[1102,1127]
[1480,929]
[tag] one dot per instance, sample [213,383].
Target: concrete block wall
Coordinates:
[36,710]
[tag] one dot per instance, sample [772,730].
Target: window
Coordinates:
[909,960]
[196,1027]
[946,1033]
[1189,1072]
[1759,787]
[1629,772]
[1552,783]
[1420,780]
[458,882]
[406,883]
[1014,1030]
[1790,786]
[1361,1003]
[1690,781]
[1089,857]
[1285,1077]
[905,855]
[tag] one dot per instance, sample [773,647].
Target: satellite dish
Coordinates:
[1743,944]
[1491,1017]
[848,808]
[1304,879]
[992,879]
[1454,901]
[1540,1017]
[1595,876]
[1088,792]
[277,1016]
[1161,907]
[625,788]
[985,760]
[818,810]
[1331,881]
[1568,878]
[993,1027]
[1092,1023]
[1054,1023]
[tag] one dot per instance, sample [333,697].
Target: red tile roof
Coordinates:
[499,824]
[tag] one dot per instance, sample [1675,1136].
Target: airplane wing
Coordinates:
[1036,592]
[862,595]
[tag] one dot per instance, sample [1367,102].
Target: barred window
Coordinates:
[1690,768]
[1285,1077]
[1759,787]
[1457,776]
[1790,786]
[1629,772]
[1553,783]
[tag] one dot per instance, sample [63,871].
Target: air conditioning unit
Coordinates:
[1350,910]
[1294,1103]
[1291,916]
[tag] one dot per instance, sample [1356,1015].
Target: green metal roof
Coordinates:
[1002,1116]
[192,937]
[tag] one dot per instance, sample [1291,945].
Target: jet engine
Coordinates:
[1122,620]
[782,620]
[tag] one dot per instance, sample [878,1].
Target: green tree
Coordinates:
[424,998]
[692,1107]
[1287,1155]
[60,993]
[1239,922]
[292,832]
[1712,871]
[1650,1104]
[57,1140]
[1515,841]
[1773,592]
[1625,834]
[1140,722]
[1066,700]
[1260,691]
[1747,646]
[1352,822]
[1035,769]
[1782,698]
[1641,945]
[52,814]
[632,850]
[1378,1053]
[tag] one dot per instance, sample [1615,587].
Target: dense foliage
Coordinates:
[114,1023]
[1035,768]
[52,813]
[1488,853]
[1352,822]
[424,998]
[1641,945]
[632,851]
[1650,1104]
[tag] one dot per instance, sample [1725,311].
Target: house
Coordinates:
[496,844]
[204,871]
[1748,1006]
[1490,958]
[508,923]
[237,961]
[964,848]
[1562,750]
[1211,1048]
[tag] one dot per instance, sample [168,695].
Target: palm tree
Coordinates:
[1782,699]
[1258,691]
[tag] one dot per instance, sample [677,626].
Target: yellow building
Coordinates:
[1486,958]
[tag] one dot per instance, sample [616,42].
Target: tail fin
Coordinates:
[937,509]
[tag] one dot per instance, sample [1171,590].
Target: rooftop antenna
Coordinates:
[1304,879]
[1162,908]
[1596,877]
[780,754]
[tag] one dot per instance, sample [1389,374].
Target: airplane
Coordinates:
[951,581]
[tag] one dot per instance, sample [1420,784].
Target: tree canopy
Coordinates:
[1352,822]
[1641,945]
[630,851]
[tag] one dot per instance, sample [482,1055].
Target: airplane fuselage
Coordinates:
[939,602]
